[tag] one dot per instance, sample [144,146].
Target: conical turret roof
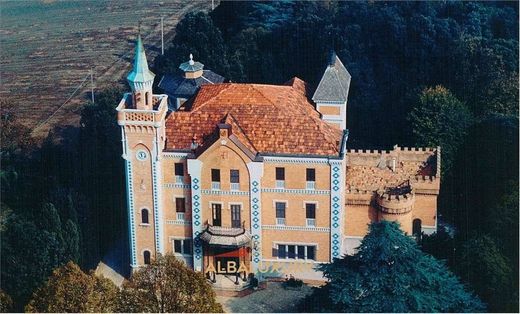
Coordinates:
[140,73]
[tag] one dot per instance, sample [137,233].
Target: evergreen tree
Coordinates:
[70,290]
[167,285]
[389,273]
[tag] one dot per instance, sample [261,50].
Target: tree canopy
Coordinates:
[389,273]
[167,285]
[70,290]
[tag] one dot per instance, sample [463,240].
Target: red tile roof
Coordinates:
[269,119]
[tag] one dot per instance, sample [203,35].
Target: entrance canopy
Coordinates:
[230,237]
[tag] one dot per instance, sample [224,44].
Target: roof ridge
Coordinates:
[230,115]
[263,95]
[208,86]
[339,81]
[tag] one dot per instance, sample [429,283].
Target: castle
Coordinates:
[253,178]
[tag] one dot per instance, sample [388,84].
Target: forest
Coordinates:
[423,74]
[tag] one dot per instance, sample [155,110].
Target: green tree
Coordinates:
[195,34]
[389,273]
[101,174]
[479,262]
[6,303]
[167,285]
[440,119]
[70,290]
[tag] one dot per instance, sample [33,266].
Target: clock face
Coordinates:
[141,155]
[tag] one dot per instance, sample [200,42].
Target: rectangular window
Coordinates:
[187,246]
[281,251]
[280,210]
[234,176]
[291,251]
[235,216]
[301,252]
[311,174]
[179,169]
[311,252]
[180,204]
[177,246]
[280,174]
[310,211]
[215,175]
[182,246]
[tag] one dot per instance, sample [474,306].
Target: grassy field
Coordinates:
[47,48]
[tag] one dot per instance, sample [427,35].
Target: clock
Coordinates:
[141,155]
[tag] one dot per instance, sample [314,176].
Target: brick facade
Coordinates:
[229,143]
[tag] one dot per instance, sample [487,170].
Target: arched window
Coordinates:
[417,228]
[146,257]
[144,216]
[146,98]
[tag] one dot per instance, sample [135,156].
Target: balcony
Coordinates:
[180,216]
[179,179]
[280,221]
[215,186]
[280,184]
[235,186]
[310,185]
[311,222]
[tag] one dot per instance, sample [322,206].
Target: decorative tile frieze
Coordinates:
[297,191]
[296,228]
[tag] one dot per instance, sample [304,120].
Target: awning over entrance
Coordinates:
[230,237]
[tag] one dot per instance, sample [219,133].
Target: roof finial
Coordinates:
[139,28]
[191,60]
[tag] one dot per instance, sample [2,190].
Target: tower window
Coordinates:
[146,257]
[144,216]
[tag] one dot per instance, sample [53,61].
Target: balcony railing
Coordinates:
[180,216]
[280,221]
[235,186]
[280,184]
[311,185]
[179,179]
[311,222]
[215,185]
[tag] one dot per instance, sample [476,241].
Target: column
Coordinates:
[157,198]
[255,172]
[194,170]
[336,207]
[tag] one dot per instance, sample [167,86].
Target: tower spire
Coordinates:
[141,78]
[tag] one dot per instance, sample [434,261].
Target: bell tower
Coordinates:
[141,115]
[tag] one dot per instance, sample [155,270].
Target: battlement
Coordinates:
[398,200]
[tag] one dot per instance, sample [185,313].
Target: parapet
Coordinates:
[397,200]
